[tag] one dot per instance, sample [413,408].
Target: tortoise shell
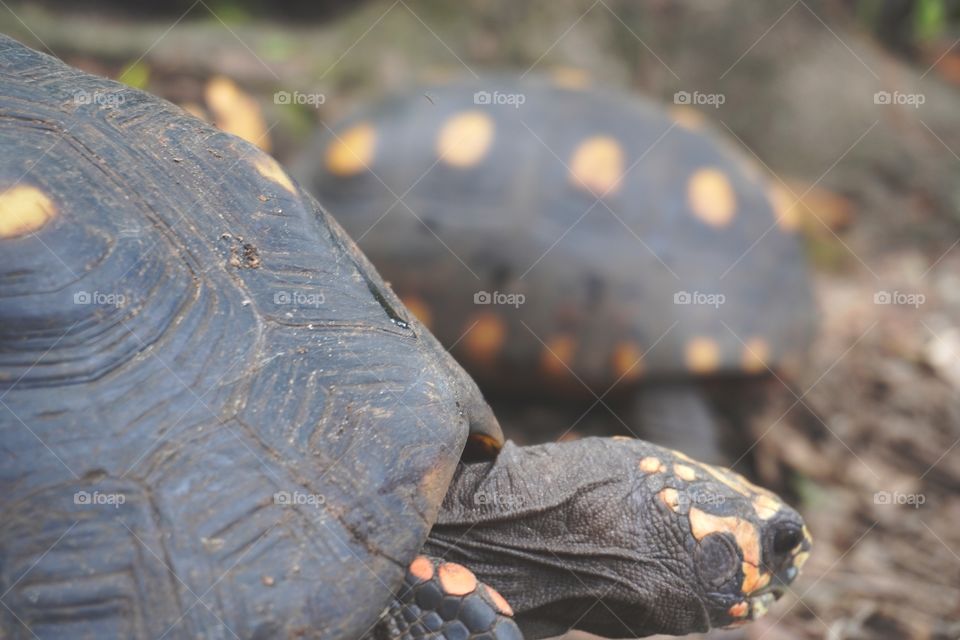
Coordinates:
[215,415]
[546,231]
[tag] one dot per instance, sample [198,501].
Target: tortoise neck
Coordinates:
[511,521]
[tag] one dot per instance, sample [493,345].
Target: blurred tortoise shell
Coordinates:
[540,231]
[177,394]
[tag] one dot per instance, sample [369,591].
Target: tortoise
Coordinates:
[573,242]
[218,421]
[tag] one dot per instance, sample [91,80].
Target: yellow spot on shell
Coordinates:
[766,507]
[484,340]
[670,498]
[419,308]
[711,197]
[627,361]
[651,464]
[785,207]
[703,524]
[684,472]
[739,610]
[557,356]
[570,78]
[271,170]
[236,112]
[688,117]
[801,559]
[352,151]
[756,355]
[702,355]
[597,165]
[24,209]
[465,139]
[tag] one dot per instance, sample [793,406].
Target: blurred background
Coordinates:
[852,104]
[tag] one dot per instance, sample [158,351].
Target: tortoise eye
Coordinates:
[786,539]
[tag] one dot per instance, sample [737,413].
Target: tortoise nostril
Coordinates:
[786,539]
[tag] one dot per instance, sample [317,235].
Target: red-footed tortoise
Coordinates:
[217,421]
[559,239]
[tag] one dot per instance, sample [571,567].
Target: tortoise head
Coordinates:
[620,538]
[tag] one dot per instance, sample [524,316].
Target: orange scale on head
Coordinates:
[651,464]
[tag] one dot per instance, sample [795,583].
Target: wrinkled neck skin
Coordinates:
[557,527]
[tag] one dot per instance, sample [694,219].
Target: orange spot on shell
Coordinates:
[465,138]
[499,601]
[756,355]
[24,209]
[597,165]
[651,464]
[422,568]
[418,307]
[688,117]
[236,111]
[570,77]
[711,197]
[739,610]
[786,207]
[684,472]
[456,579]
[485,337]
[352,151]
[557,356]
[702,355]
[670,498]
[627,361]
[272,171]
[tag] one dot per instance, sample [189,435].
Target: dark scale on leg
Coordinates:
[444,601]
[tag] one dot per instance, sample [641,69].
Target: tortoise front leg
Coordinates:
[445,601]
